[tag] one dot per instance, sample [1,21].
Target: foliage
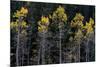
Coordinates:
[14,25]
[22,12]
[43,24]
[58,19]
[89,27]
[77,21]
[59,14]
[66,37]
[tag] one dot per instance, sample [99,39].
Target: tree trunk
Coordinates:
[39,53]
[43,48]
[18,50]
[79,53]
[60,49]
[87,51]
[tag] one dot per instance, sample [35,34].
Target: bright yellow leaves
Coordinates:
[22,12]
[77,21]
[23,24]
[43,24]
[44,20]
[15,24]
[59,14]
[19,13]
[78,17]
[89,26]
[42,28]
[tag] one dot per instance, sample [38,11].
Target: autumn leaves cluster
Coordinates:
[59,16]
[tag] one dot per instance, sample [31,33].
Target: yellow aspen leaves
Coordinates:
[44,20]
[60,9]
[22,12]
[15,24]
[59,14]
[73,24]
[42,28]
[78,17]
[77,20]
[43,24]
[19,13]
[89,26]
[23,24]
[78,35]
[91,21]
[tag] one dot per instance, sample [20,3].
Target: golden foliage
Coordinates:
[78,17]
[19,13]
[43,24]
[23,24]
[14,25]
[89,26]
[77,20]
[22,12]
[42,28]
[59,14]
[78,34]
[44,20]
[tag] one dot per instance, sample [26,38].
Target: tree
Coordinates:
[77,24]
[89,35]
[42,30]
[20,26]
[58,18]
[43,33]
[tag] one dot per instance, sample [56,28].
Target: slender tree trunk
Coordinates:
[43,48]
[60,49]
[29,43]
[39,52]
[17,48]
[22,56]
[28,55]
[87,51]
[79,53]
[18,44]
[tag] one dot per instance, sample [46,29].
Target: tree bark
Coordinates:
[18,43]
[60,49]
[87,50]
[43,48]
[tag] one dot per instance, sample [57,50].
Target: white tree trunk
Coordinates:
[43,48]
[87,51]
[60,49]
[18,45]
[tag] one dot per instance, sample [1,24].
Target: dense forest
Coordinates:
[51,33]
